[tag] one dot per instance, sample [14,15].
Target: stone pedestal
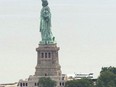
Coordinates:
[47,60]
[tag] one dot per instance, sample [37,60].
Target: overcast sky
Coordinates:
[85,31]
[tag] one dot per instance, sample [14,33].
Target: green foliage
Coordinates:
[110,69]
[79,83]
[107,77]
[46,82]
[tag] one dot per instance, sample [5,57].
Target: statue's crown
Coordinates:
[44,3]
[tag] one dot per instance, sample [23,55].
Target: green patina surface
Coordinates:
[45,24]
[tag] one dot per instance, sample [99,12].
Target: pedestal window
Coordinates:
[49,55]
[45,55]
[42,55]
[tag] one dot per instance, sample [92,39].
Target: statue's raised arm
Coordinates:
[45,24]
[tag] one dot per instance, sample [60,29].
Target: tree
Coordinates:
[107,77]
[110,69]
[80,83]
[46,82]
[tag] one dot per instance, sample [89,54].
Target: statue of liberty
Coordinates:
[45,24]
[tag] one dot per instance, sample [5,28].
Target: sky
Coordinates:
[85,31]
